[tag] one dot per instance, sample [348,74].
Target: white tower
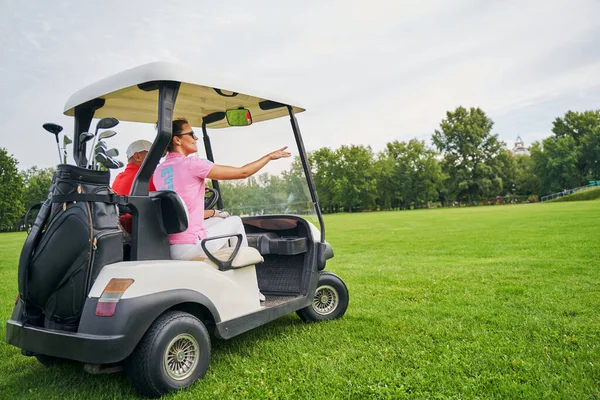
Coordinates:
[520,149]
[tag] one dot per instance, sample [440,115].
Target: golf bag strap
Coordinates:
[111,198]
[32,208]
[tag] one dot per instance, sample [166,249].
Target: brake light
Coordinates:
[107,303]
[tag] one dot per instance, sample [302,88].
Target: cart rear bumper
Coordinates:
[87,348]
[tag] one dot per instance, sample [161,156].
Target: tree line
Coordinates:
[466,163]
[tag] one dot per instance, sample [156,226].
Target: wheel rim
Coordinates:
[326,300]
[181,357]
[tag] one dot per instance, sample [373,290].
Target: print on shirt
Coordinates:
[167,174]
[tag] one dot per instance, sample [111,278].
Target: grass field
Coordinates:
[473,303]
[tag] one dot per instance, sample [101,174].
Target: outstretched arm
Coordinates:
[225,172]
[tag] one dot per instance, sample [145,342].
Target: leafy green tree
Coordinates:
[387,185]
[323,164]
[37,184]
[11,191]
[584,130]
[505,167]
[417,175]
[556,163]
[354,183]
[527,182]
[469,151]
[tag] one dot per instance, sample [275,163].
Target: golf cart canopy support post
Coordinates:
[207,146]
[83,119]
[167,94]
[306,167]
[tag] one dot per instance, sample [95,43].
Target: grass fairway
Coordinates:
[488,302]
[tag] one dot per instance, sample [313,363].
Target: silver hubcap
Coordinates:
[181,357]
[326,300]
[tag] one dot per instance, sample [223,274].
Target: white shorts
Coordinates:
[214,227]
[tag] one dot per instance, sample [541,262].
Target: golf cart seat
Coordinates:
[245,257]
[173,209]
[155,216]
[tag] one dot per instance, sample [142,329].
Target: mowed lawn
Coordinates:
[494,302]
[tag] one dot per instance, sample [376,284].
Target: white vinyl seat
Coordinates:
[245,257]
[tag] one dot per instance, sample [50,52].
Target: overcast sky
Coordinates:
[368,72]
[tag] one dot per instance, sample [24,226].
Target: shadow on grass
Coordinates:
[25,377]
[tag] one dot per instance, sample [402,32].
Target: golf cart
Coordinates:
[128,303]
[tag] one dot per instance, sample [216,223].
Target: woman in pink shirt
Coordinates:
[185,175]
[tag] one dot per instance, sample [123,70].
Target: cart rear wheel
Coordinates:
[172,355]
[330,300]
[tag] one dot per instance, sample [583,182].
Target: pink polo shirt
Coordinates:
[185,175]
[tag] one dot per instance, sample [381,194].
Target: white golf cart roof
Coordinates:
[125,101]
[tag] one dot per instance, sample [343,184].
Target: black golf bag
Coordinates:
[75,234]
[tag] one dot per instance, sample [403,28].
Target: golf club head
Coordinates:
[85,137]
[106,134]
[66,140]
[54,129]
[107,123]
[107,162]
[101,159]
[112,152]
[100,144]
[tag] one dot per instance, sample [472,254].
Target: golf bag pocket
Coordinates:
[107,248]
[65,304]
[65,243]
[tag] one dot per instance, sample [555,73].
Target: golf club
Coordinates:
[55,130]
[85,137]
[108,162]
[112,152]
[66,141]
[104,123]
[101,136]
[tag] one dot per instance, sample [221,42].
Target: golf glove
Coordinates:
[221,214]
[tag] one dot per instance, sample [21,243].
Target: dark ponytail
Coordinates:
[177,129]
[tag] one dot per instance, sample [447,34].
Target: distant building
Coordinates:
[520,149]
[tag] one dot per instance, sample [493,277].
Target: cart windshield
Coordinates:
[279,188]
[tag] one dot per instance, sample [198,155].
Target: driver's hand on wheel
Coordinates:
[221,214]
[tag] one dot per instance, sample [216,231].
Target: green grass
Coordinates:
[470,303]
[591,194]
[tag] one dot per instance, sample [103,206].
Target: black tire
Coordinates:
[330,300]
[148,368]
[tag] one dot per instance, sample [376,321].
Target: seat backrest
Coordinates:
[174,210]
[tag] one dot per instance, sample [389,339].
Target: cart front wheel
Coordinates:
[330,300]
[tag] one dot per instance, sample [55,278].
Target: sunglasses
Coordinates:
[192,134]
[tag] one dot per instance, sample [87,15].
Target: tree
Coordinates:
[354,181]
[323,163]
[527,182]
[417,175]
[556,163]
[469,151]
[36,185]
[584,130]
[11,191]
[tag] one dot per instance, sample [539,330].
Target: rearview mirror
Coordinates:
[238,117]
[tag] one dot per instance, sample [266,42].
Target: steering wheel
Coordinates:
[211,198]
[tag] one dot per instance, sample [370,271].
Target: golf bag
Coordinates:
[75,234]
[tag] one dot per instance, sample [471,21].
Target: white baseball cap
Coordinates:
[137,146]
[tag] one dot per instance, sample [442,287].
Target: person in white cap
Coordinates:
[136,153]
